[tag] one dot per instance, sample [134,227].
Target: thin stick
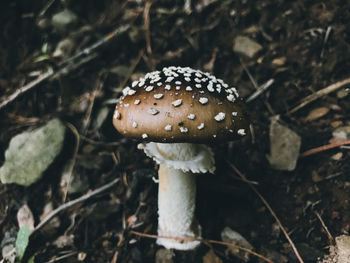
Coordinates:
[98,142]
[260,90]
[55,258]
[99,43]
[320,93]
[326,37]
[204,241]
[323,148]
[67,65]
[71,163]
[27,87]
[255,84]
[65,70]
[330,237]
[146,21]
[46,7]
[74,202]
[132,69]
[271,212]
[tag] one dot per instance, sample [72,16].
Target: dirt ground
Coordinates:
[302,46]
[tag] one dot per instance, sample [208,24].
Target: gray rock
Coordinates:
[342,133]
[343,247]
[64,48]
[340,253]
[244,45]
[284,146]
[164,256]
[30,153]
[8,246]
[231,236]
[9,253]
[211,257]
[64,19]
[341,94]
[43,23]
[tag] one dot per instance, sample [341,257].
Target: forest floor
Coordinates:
[74,68]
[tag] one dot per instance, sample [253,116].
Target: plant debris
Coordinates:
[340,252]
[31,153]
[69,62]
[284,146]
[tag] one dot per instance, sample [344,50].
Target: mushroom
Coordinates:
[176,112]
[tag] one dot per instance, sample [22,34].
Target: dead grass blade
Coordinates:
[329,235]
[271,212]
[71,163]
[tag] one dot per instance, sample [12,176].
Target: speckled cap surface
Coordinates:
[180,104]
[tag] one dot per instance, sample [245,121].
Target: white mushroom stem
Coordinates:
[176,206]
[178,163]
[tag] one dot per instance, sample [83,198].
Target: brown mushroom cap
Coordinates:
[180,105]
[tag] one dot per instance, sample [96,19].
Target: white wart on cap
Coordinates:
[180,104]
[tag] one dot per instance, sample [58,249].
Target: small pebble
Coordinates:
[316,114]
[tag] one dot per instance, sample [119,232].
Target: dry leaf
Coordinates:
[25,217]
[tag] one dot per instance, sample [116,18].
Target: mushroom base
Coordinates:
[176,202]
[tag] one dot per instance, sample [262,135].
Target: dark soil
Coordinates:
[305,48]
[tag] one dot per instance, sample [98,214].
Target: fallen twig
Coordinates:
[260,90]
[67,174]
[247,71]
[146,21]
[67,255]
[320,93]
[65,70]
[67,65]
[27,87]
[329,235]
[326,37]
[84,138]
[88,50]
[323,148]
[87,118]
[271,212]
[74,202]
[202,240]
[256,86]
[46,7]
